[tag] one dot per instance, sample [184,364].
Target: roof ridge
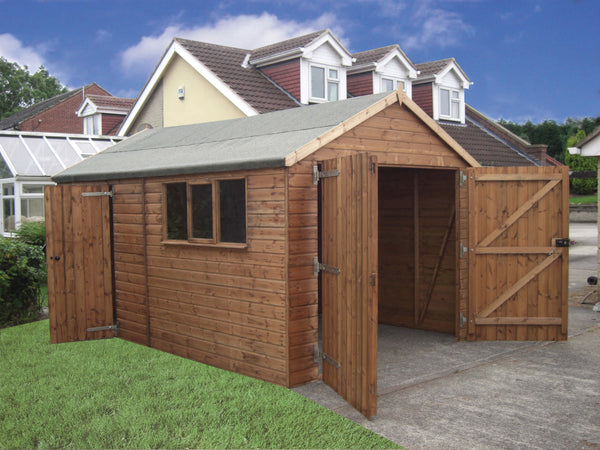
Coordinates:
[316,33]
[210,44]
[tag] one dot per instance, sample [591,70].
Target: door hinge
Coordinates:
[321,355]
[462,250]
[114,328]
[462,178]
[462,320]
[373,279]
[97,194]
[318,267]
[372,388]
[317,174]
[373,168]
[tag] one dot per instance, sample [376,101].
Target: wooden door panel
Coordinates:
[349,236]
[79,261]
[518,288]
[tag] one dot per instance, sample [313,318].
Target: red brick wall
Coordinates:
[111,124]
[422,95]
[360,84]
[286,75]
[61,118]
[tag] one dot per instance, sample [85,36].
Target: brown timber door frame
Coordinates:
[518,253]
[349,278]
[79,258]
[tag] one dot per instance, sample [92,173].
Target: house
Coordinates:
[71,112]
[589,146]
[28,160]
[239,242]
[197,82]
[103,114]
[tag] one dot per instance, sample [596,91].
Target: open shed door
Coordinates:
[349,278]
[80,294]
[518,253]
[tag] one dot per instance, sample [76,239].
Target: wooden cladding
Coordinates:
[218,305]
[79,262]
[518,277]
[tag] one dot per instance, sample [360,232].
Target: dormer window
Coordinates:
[92,124]
[450,104]
[392,84]
[324,83]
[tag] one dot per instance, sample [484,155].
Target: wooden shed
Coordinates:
[235,243]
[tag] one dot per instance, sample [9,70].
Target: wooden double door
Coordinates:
[511,261]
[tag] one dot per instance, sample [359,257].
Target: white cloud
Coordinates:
[13,50]
[243,31]
[435,27]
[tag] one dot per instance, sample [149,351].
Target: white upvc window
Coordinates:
[392,84]
[449,104]
[324,83]
[92,125]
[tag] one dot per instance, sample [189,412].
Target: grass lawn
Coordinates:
[583,199]
[115,394]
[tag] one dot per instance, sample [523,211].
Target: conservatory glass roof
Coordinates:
[30,154]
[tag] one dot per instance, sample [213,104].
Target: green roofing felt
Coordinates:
[249,143]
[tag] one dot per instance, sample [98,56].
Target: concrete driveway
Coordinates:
[434,392]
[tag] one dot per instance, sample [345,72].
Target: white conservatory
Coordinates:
[28,161]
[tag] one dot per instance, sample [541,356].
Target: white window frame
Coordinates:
[326,80]
[97,125]
[458,101]
[395,82]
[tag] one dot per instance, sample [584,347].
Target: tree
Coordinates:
[19,89]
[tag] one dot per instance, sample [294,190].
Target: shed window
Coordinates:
[208,213]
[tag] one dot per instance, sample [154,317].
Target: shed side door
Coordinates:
[349,299]
[80,293]
[518,271]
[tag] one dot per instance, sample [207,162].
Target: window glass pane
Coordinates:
[333,74]
[388,85]
[65,151]
[455,94]
[19,156]
[332,91]
[232,199]
[85,147]
[444,102]
[9,214]
[176,211]
[403,86]
[202,211]
[44,155]
[317,82]
[32,188]
[8,189]
[455,110]
[32,208]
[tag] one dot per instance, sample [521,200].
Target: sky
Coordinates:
[528,59]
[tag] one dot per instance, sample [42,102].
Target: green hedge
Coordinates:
[33,233]
[22,270]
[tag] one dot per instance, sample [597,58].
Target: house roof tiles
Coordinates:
[113,103]
[250,84]
[289,44]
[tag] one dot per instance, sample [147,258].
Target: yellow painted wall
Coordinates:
[202,102]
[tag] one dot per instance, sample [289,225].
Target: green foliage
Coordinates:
[33,233]
[19,89]
[550,133]
[578,163]
[22,270]
[110,393]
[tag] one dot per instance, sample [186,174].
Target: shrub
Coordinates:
[22,270]
[33,233]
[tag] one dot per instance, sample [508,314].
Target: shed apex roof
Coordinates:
[259,141]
